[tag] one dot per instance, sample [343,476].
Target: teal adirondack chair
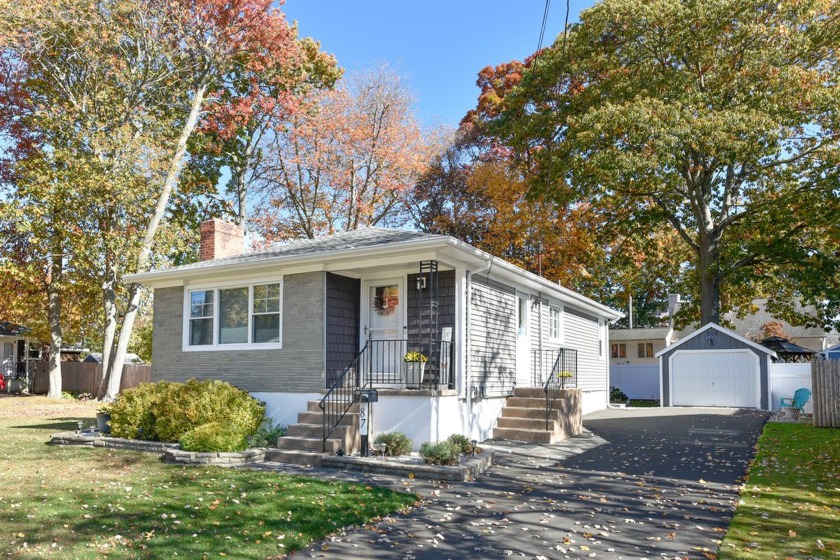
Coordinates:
[799,400]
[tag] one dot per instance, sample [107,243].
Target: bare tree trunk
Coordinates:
[54,314]
[114,371]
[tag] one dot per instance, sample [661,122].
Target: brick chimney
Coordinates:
[220,239]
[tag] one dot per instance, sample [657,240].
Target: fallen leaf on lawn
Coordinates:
[820,544]
[792,533]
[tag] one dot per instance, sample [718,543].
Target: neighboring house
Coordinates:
[14,350]
[755,325]
[96,358]
[289,322]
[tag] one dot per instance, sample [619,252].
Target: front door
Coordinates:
[383,328]
[523,342]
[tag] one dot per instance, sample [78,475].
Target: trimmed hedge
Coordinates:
[165,411]
[461,442]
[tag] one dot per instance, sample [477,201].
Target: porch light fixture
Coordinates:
[421,282]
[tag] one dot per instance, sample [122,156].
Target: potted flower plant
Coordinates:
[415,365]
[103,419]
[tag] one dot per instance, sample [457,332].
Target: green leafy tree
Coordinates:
[716,118]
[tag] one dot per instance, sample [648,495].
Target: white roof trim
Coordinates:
[721,330]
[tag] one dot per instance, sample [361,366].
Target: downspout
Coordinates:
[467,337]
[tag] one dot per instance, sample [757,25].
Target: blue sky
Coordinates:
[438,46]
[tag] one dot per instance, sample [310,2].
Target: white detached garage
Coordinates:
[715,367]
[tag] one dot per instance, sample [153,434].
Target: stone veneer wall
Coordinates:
[296,368]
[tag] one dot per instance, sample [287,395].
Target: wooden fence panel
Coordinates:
[825,383]
[84,377]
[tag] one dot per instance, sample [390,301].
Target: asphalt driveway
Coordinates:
[643,483]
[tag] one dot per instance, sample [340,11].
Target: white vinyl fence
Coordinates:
[637,381]
[785,379]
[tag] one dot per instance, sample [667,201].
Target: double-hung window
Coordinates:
[233,317]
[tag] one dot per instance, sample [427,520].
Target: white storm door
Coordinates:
[524,376]
[382,330]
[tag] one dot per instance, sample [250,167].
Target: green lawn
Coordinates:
[791,503]
[70,502]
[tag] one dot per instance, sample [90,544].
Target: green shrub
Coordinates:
[267,434]
[398,443]
[617,395]
[165,411]
[213,437]
[462,443]
[440,453]
[195,403]
[132,413]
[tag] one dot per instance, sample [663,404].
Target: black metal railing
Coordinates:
[381,363]
[340,396]
[563,375]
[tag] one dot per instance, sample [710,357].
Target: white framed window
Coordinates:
[233,317]
[645,349]
[555,322]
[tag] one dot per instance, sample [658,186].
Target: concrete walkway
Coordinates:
[639,483]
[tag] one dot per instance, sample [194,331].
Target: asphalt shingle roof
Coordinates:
[357,239]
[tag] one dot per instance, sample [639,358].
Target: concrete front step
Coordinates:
[525,423]
[315,406]
[531,436]
[529,392]
[312,444]
[527,402]
[534,413]
[305,458]
[350,419]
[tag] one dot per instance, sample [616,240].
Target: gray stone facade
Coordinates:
[296,368]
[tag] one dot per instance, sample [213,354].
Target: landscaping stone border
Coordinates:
[469,470]
[96,439]
[172,452]
[220,459]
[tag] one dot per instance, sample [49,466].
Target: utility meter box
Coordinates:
[367,395]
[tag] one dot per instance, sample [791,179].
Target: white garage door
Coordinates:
[718,378]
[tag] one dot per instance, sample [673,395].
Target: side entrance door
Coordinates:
[7,360]
[383,322]
[523,342]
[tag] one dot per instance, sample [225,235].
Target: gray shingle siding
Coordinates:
[418,306]
[493,338]
[297,368]
[343,296]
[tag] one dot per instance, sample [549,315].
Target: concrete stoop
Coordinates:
[303,444]
[523,417]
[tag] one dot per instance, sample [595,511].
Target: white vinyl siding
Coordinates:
[583,334]
[493,340]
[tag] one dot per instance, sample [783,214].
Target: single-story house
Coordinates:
[14,350]
[293,321]
[833,352]
[714,366]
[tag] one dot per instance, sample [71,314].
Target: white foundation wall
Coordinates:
[482,419]
[421,418]
[592,401]
[283,408]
